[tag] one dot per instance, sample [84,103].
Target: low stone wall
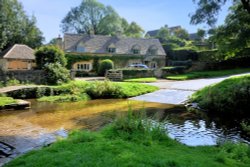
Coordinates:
[33,76]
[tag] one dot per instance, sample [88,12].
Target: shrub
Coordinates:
[56,74]
[49,54]
[229,97]
[104,66]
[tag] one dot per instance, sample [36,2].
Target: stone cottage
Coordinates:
[17,57]
[123,51]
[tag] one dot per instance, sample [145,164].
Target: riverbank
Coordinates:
[132,142]
[207,74]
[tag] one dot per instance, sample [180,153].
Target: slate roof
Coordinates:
[100,43]
[18,51]
[154,33]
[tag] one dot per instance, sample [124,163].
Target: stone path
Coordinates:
[13,88]
[177,92]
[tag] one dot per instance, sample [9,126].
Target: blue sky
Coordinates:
[150,14]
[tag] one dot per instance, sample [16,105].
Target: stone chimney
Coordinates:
[59,42]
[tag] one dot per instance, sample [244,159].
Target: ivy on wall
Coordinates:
[73,58]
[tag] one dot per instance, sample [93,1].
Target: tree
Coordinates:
[105,65]
[16,26]
[49,54]
[234,35]
[208,10]
[181,33]
[201,33]
[52,61]
[134,30]
[163,34]
[90,16]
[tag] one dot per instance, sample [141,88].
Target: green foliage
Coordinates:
[49,54]
[56,74]
[230,97]
[104,89]
[245,127]
[73,58]
[174,69]
[6,100]
[129,73]
[134,30]
[132,141]
[98,19]
[207,74]
[64,98]
[17,27]
[141,80]
[12,82]
[105,65]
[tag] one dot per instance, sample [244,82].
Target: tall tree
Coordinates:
[208,10]
[90,16]
[16,26]
[234,35]
[181,33]
[134,30]
[201,33]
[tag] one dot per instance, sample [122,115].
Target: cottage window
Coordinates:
[80,47]
[84,67]
[136,51]
[153,65]
[153,50]
[111,50]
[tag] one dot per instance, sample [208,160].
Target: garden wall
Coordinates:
[33,76]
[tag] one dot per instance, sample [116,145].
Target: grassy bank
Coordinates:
[132,142]
[231,96]
[141,80]
[6,100]
[82,90]
[207,74]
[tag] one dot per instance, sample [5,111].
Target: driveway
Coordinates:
[177,92]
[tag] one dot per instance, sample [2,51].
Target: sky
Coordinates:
[149,14]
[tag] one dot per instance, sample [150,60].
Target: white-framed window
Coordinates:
[111,50]
[84,67]
[136,51]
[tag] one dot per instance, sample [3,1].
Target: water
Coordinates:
[45,122]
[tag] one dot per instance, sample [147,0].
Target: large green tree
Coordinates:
[92,16]
[207,10]
[234,34]
[16,26]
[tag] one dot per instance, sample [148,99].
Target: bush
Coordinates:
[49,54]
[104,66]
[175,70]
[229,97]
[56,74]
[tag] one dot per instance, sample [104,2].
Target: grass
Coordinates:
[64,98]
[141,80]
[231,96]
[82,90]
[131,141]
[6,100]
[207,74]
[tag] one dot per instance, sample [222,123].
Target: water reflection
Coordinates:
[46,119]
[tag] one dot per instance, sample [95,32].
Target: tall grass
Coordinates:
[132,141]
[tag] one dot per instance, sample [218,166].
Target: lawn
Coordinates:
[207,74]
[132,142]
[231,96]
[6,100]
[141,80]
[82,90]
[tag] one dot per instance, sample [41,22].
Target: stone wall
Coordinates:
[33,76]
